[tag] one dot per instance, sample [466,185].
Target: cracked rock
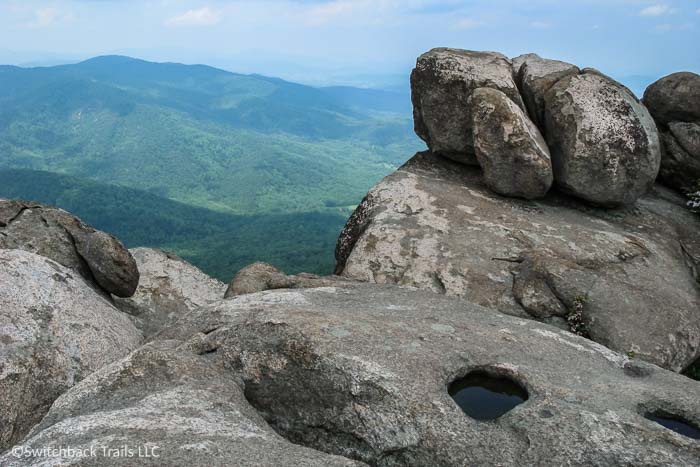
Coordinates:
[679,168]
[434,224]
[179,408]
[363,372]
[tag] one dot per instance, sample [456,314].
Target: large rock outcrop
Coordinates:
[169,407]
[604,144]
[441,84]
[54,331]
[509,147]
[98,257]
[168,288]
[364,372]
[674,102]
[623,277]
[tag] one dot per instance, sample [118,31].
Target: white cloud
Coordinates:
[202,17]
[656,10]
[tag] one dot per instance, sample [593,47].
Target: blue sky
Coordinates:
[354,41]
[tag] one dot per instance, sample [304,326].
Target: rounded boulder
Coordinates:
[604,144]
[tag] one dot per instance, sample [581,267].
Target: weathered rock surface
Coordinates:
[536,76]
[518,62]
[679,168]
[688,136]
[674,98]
[54,331]
[363,372]
[441,84]
[626,274]
[258,277]
[509,147]
[604,144]
[169,287]
[170,403]
[98,257]
[674,102]
[690,245]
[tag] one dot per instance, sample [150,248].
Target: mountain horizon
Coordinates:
[396,88]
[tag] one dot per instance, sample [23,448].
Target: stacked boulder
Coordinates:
[474,107]
[674,102]
[442,84]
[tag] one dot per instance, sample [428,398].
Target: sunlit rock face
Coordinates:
[604,144]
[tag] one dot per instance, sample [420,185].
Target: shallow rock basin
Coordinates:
[676,424]
[486,397]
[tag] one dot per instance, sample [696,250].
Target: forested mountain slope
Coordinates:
[221,168]
[220,243]
[203,136]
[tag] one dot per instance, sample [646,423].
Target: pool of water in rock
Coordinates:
[679,426]
[486,397]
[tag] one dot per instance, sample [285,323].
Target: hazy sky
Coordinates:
[326,40]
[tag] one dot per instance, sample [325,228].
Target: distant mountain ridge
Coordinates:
[221,96]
